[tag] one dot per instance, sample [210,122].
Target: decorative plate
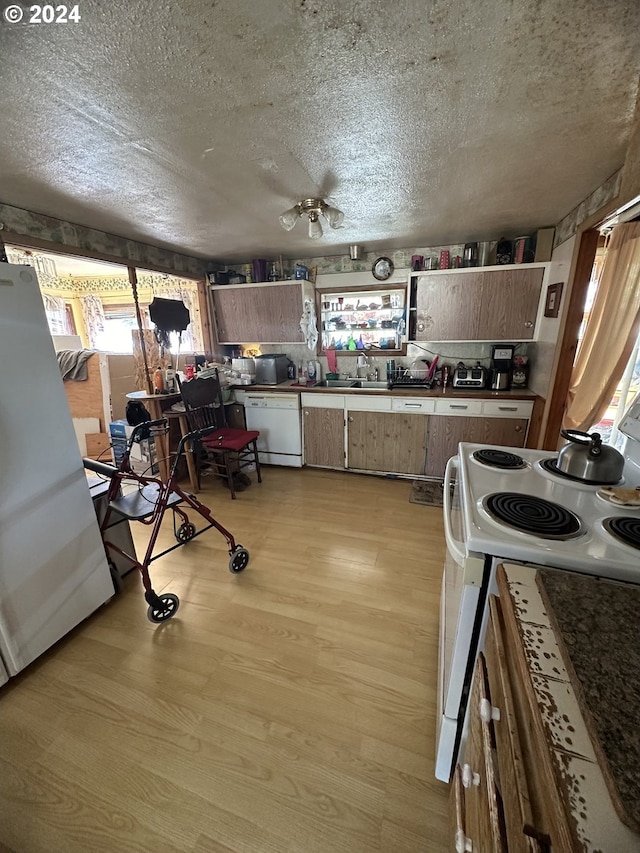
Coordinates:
[382,269]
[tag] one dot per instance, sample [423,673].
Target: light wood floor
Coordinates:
[289,709]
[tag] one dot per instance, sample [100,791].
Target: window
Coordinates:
[119,323]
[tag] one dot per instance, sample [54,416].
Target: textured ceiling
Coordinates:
[192,125]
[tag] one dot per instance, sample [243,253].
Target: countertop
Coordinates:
[598,621]
[565,618]
[410,391]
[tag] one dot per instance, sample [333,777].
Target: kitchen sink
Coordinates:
[337,383]
[371,383]
[356,384]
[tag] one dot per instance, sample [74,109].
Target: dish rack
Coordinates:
[401,377]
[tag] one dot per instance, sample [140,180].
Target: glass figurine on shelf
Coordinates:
[351,344]
[360,343]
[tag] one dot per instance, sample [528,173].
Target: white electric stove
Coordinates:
[504,503]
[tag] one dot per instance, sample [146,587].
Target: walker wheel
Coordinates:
[185,532]
[238,560]
[170,604]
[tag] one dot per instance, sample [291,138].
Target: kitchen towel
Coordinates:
[308,324]
[332,360]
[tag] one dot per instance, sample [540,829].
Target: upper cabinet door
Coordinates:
[478,305]
[247,314]
[447,307]
[509,304]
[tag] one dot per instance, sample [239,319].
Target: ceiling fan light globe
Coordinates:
[315,228]
[334,217]
[289,218]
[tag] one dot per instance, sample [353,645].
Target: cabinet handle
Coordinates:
[421,327]
[463,843]
[518,429]
[528,324]
[306,411]
[455,406]
[488,711]
[469,778]
[507,408]
[412,405]
[350,419]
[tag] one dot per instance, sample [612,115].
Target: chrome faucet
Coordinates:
[364,362]
[361,361]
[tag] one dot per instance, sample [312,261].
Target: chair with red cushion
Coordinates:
[229,450]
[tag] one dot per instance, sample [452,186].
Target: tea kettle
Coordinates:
[587,458]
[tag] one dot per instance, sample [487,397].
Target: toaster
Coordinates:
[469,377]
[271,369]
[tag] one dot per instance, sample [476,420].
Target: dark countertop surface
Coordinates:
[410,391]
[598,622]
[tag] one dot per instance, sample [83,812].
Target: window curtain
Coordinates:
[93,314]
[610,332]
[56,311]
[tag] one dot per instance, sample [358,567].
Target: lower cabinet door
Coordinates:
[447,431]
[387,441]
[323,437]
[483,818]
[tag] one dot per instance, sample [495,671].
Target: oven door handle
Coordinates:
[455,548]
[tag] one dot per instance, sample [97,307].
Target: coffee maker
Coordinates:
[501,357]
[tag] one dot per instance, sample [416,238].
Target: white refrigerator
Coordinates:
[53,570]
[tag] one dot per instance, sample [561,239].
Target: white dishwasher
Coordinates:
[277,417]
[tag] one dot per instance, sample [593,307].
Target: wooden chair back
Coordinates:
[203,402]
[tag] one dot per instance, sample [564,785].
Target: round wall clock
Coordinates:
[382,269]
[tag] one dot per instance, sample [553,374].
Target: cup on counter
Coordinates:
[259,266]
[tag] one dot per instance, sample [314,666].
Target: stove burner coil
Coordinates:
[551,465]
[531,514]
[625,528]
[499,458]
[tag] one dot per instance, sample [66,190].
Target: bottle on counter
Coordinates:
[170,379]
[158,381]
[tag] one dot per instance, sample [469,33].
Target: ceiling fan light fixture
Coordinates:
[334,217]
[315,227]
[312,208]
[289,218]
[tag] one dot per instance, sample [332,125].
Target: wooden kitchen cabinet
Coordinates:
[483,820]
[387,441]
[323,437]
[467,305]
[446,431]
[258,314]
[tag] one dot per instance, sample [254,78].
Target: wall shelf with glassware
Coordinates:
[364,319]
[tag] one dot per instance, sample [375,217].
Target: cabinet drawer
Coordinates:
[507,408]
[360,403]
[322,401]
[458,407]
[413,405]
